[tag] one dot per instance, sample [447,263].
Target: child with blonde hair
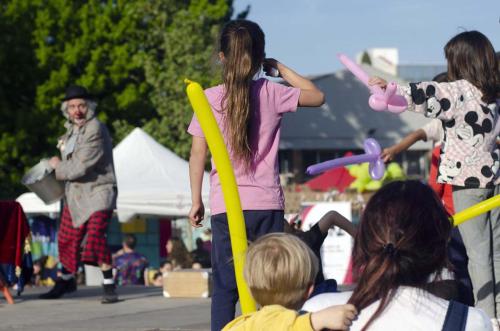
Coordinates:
[280,270]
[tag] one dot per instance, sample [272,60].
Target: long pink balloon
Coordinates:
[356,70]
[380,100]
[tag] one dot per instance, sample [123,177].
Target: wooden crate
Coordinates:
[187,284]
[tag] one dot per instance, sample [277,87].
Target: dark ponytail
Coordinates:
[401,241]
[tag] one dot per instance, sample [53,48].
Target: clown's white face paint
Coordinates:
[77,111]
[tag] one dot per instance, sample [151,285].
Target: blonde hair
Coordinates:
[242,42]
[279,269]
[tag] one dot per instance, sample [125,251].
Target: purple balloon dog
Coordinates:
[372,155]
[380,100]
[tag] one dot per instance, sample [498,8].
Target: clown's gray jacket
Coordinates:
[88,171]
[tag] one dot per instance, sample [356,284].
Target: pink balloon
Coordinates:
[356,70]
[380,100]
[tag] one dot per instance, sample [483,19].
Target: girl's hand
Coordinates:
[377,81]
[196,215]
[270,67]
[388,154]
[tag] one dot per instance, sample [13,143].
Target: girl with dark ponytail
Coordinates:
[248,110]
[399,258]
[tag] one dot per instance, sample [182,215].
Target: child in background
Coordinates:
[249,114]
[177,253]
[166,266]
[280,271]
[314,239]
[469,161]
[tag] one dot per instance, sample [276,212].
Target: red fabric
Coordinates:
[14,229]
[165,234]
[95,250]
[348,277]
[444,191]
[338,178]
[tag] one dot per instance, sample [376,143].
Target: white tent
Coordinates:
[152,180]
[32,204]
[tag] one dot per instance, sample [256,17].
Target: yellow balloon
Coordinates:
[217,147]
[476,210]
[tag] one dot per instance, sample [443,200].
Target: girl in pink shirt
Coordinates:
[468,107]
[249,114]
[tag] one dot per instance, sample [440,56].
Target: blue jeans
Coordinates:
[225,293]
[481,236]
[458,258]
[326,286]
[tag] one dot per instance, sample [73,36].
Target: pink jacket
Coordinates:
[469,154]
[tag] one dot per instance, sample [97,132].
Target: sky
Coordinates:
[306,35]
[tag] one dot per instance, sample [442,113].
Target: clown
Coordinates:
[86,167]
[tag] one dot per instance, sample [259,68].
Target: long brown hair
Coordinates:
[471,56]
[179,256]
[401,241]
[242,42]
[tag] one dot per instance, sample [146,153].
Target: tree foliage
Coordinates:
[132,55]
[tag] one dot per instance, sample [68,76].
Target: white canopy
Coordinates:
[152,180]
[32,204]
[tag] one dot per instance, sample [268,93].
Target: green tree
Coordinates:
[132,55]
[18,81]
[365,58]
[97,44]
[184,39]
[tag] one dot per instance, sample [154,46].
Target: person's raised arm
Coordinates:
[432,99]
[333,218]
[389,153]
[197,159]
[310,95]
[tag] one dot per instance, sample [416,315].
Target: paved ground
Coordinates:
[142,308]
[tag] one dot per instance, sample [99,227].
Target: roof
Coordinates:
[346,120]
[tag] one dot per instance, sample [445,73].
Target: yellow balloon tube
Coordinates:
[476,210]
[217,147]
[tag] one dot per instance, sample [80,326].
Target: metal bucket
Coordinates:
[41,179]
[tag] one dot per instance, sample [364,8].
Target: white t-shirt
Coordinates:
[434,131]
[411,309]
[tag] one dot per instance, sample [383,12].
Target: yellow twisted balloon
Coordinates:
[476,210]
[237,230]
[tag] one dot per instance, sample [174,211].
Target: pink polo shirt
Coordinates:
[259,189]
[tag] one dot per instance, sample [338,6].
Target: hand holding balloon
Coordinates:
[380,99]
[372,155]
